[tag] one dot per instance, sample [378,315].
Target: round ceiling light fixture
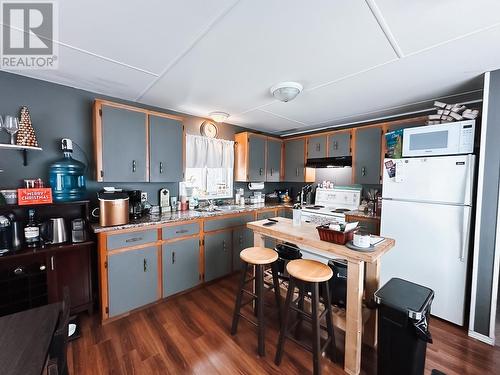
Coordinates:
[286,91]
[218,116]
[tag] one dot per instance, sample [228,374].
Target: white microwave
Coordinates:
[444,139]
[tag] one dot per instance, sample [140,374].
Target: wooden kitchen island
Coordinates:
[306,235]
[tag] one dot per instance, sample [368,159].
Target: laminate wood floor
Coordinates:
[189,334]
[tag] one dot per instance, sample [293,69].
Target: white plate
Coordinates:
[351,246]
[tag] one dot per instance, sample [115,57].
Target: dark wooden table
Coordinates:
[25,338]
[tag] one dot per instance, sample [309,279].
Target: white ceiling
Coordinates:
[356,59]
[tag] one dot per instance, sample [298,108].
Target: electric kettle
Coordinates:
[54,231]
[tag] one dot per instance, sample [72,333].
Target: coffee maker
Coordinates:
[5,234]
[135,204]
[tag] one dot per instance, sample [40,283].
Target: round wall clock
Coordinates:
[208,129]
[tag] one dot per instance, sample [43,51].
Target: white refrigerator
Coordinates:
[426,208]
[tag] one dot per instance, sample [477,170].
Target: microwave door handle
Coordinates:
[465,233]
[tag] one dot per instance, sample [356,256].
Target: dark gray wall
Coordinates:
[62,112]
[489,207]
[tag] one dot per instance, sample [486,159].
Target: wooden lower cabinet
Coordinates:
[242,238]
[218,254]
[132,279]
[180,265]
[71,268]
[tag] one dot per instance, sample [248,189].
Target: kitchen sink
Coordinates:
[208,209]
[229,207]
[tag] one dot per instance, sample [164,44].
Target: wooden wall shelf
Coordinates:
[23,149]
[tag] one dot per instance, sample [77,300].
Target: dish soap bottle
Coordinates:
[67,176]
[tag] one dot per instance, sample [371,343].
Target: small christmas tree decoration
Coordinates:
[26,135]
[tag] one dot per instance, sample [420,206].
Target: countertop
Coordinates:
[307,235]
[179,216]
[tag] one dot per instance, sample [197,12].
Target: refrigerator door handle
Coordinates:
[469,180]
[465,233]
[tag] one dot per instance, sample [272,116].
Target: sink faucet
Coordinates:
[302,192]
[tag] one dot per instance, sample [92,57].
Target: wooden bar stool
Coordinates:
[259,257]
[305,273]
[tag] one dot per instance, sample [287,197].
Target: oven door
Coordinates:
[431,140]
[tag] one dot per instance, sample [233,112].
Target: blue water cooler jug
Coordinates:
[67,176]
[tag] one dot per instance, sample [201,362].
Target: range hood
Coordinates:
[334,162]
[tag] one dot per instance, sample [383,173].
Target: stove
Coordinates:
[331,205]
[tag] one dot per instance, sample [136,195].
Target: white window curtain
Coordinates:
[204,152]
[209,167]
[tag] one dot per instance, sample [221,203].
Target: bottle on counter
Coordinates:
[32,230]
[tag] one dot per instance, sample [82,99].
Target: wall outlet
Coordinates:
[144,197]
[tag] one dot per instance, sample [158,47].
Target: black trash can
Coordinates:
[403,331]
[286,252]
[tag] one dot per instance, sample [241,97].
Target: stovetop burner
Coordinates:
[341,210]
[315,207]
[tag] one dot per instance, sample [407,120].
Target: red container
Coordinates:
[34,196]
[334,236]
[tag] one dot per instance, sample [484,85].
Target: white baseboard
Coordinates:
[486,339]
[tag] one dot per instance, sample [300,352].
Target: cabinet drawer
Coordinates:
[285,212]
[233,221]
[117,241]
[180,231]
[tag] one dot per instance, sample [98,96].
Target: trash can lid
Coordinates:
[405,296]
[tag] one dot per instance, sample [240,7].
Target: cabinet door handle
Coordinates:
[181,231]
[241,240]
[52,265]
[272,170]
[134,166]
[318,146]
[260,171]
[296,171]
[161,167]
[363,171]
[134,239]
[224,245]
[173,257]
[145,265]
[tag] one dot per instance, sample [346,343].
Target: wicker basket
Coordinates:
[334,236]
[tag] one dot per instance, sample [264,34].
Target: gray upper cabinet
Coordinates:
[180,265]
[339,144]
[256,158]
[367,157]
[316,147]
[294,160]
[273,160]
[132,279]
[165,149]
[123,145]
[218,249]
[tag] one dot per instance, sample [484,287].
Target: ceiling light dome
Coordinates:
[286,91]
[218,116]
